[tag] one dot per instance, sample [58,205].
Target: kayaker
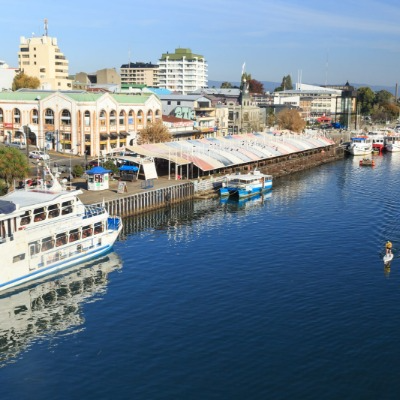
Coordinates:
[388,247]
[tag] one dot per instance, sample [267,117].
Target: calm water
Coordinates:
[278,298]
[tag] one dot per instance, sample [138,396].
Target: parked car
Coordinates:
[39,155]
[17,145]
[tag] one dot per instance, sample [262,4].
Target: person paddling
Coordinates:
[388,247]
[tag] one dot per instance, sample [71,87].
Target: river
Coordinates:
[282,297]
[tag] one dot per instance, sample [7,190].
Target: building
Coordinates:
[179,128]
[106,79]
[183,71]
[139,73]
[209,121]
[41,57]
[7,76]
[337,102]
[75,122]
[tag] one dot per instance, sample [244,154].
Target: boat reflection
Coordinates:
[51,306]
[249,202]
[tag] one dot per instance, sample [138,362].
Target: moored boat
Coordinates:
[46,228]
[378,140]
[245,185]
[360,145]
[392,143]
[367,162]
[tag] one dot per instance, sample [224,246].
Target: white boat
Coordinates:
[46,228]
[392,143]
[245,185]
[360,145]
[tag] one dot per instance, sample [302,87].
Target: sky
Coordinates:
[313,41]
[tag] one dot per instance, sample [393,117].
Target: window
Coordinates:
[86,118]
[66,207]
[102,118]
[122,118]
[61,239]
[16,116]
[49,117]
[19,257]
[65,117]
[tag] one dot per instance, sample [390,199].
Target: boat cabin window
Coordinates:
[34,248]
[66,207]
[25,219]
[47,243]
[61,239]
[98,228]
[87,231]
[19,257]
[39,214]
[53,210]
[74,235]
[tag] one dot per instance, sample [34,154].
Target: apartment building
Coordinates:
[182,72]
[41,57]
[139,73]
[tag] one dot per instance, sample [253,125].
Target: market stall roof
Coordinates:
[159,150]
[98,171]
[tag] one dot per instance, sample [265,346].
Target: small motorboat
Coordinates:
[367,162]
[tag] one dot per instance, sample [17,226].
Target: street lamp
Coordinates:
[39,120]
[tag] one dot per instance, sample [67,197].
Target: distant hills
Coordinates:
[270,86]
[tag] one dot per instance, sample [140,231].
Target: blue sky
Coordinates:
[324,41]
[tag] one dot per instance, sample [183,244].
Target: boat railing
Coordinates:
[91,211]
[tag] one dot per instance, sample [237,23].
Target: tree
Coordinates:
[226,85]
[13,165]
[23,81]
[154,133]
[383,97]
[290,119]
[366,98]
[286,84]
[255,86]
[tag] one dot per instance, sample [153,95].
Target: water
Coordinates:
[284,297]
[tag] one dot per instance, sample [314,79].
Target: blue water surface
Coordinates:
[282,297]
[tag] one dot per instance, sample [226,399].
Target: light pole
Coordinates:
[39,120]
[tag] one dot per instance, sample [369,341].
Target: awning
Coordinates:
[114,136]
[123,134]
[104,136]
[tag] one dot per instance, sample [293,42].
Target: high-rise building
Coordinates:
[41,57]
[183,71]
[139,73]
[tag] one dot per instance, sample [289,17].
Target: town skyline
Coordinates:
[325,43]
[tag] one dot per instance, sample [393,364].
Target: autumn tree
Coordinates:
[255,86]
[23,81]
[155,132]
[383,97]
[290,119]
[286,84]
[13,165]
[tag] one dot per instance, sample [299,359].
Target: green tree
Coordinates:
[23,81]
[366,99]
[286,84]
[154,133]
[226,85]
[383,97]
[13,165]
[109,164]
[290,119]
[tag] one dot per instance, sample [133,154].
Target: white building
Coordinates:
[183,71]
[7,76]
[75,122]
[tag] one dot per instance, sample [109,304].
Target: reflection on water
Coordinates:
[254,201]
[51,306]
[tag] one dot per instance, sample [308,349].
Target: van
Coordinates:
[18,145]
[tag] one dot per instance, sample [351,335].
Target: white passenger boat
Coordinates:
[360,145]
[246,185]
[392,143]
[46,228]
